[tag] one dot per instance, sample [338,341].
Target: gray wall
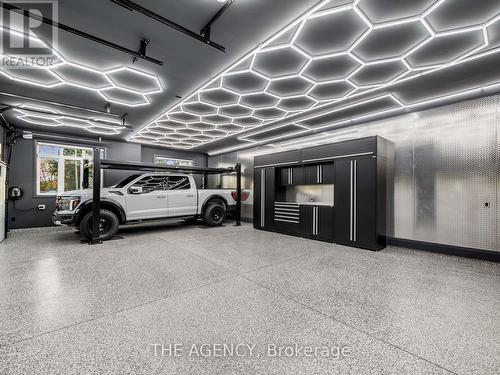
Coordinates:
[446,170]
[22,173]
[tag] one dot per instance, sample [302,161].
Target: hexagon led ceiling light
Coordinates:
[121,85]
[330,54]
[49,117]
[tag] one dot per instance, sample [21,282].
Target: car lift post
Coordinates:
[96,199]
[238,194]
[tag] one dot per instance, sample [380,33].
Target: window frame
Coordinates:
[61,158]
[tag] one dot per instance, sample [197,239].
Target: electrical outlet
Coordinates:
[41,207]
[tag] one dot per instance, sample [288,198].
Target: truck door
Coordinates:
[182,196]
[147,198]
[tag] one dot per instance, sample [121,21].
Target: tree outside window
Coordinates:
[61,168]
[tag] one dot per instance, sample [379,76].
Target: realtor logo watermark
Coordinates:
[206,350]
[26,42]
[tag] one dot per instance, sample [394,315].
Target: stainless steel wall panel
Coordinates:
[229,180]
[456,175]
[497,106]
[446,170]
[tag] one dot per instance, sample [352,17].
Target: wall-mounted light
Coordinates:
[27,135]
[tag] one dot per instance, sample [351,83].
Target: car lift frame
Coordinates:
[100,164]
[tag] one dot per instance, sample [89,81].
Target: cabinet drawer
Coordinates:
[286,213]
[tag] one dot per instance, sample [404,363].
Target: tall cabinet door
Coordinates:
[343,201]
[365,224]
[356,202]
[263,200]
[258,220]
[270,192]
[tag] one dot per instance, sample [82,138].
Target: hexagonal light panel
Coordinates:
[337,51]
[215,133]
[169,125]
[445,48]
[198,108]
[202,126]
[123,96]
[216,119]
[184,117]
[245,82]
[331,90]
[236,111]
[331,68]
[219,97]
[36,77]
[40,120]
[378,74]
[49,117]
[279,62]
[111,84]
[380,11]
[230,128]
[269,113]
[135,80]
[259,100]
[81,76]
[392,41]
[458,14]
[290,86]
[331,33]
[248,121]
[299,103]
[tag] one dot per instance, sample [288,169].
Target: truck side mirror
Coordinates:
[135,190]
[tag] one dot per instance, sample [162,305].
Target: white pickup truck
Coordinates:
[141,197]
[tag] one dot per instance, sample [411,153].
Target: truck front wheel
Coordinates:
[215,214]
[108,225]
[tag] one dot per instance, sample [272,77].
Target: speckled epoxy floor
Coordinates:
[68,308]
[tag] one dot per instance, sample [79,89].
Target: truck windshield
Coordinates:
[127,180]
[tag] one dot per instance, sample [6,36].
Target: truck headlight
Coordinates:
[73,203]
[67,203]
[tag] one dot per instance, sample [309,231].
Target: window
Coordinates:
[162,183]
[126,181]
[177,183]
[151,183]
[171,162]
[60,168]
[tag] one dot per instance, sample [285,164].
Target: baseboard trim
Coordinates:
[466,252]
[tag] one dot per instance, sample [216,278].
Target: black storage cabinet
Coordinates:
[356,217]
[263,201]
[317,222]
[362,175]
